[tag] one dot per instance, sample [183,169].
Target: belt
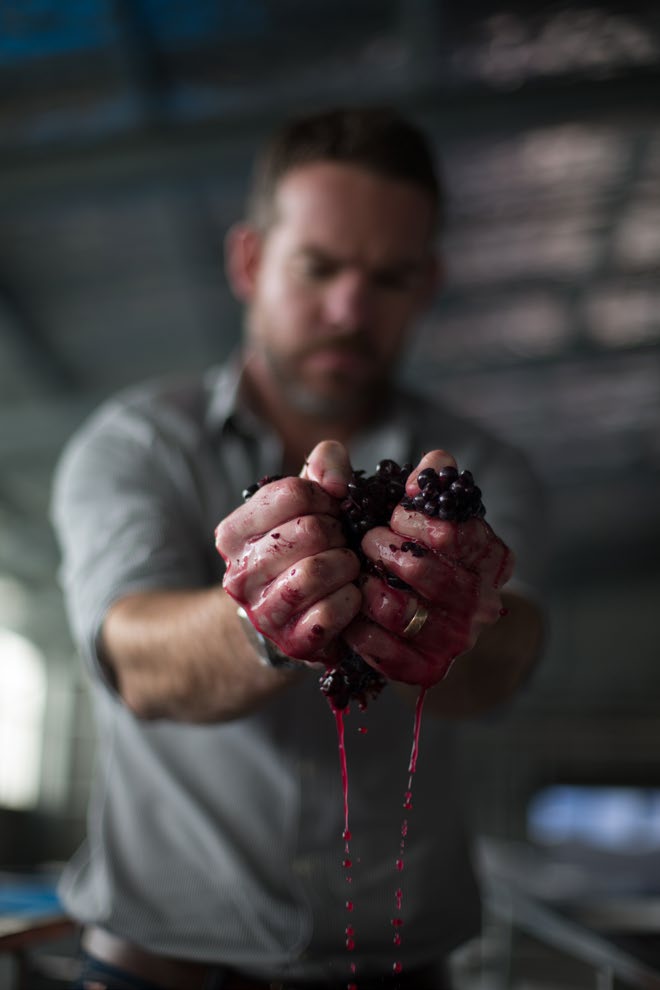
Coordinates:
[182,974]
[170,974]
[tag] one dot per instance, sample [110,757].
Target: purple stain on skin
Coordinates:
[409,546]
[274,536]
[317,630]
[292,596]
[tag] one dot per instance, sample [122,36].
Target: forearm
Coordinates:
[184,655]
[490,673]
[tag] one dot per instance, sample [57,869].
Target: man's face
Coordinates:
[338,279]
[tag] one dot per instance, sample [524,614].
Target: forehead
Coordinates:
[347,208]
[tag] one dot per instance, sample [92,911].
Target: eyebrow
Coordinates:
[400,266]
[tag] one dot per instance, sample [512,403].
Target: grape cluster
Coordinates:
[446,494]
[371,499]
[352,679]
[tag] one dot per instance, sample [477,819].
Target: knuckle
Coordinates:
[320,530]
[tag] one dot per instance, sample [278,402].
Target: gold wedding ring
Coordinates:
[416,624]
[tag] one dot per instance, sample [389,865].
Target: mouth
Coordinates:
[337,361]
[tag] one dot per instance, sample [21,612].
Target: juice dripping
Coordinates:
[397,921]
[346,834]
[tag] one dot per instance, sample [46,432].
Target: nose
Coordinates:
[347,302]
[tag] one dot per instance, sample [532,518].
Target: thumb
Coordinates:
[329,466]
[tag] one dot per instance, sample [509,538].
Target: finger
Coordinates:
[472,544]
[438,534]
[310,634]
[400,659]
[479,548]
[298,588]
[435,459]
[264,558]
[454,622]
[434,576]
[329,466]
[269,508]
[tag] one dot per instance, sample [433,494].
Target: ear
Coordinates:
[243,244]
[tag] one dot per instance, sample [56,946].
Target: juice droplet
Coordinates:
[347,863]
[350,944]
[350,930]
[346,835]
[397,967]
[397,939]
[363,730]
[399,865]
[504,611]
[349,905]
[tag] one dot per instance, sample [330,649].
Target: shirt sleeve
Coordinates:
[122,520]
[516,509]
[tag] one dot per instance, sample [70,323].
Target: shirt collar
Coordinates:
[391,437]
[223,386]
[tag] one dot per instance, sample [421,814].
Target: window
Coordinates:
[22,710]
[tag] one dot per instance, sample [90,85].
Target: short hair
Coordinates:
[378,139]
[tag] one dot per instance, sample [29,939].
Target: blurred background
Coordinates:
[127,129]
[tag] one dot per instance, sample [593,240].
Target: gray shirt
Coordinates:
[223,842]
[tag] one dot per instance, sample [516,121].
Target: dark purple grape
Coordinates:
[388,467]
[448,473]
[425,477]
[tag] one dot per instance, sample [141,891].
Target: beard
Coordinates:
[339,396]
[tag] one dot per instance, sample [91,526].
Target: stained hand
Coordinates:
[455,571]
[287,560]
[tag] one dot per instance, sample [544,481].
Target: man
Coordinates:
[215,849]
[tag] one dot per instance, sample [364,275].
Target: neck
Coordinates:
[300,432]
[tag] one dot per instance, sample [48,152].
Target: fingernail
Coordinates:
[333,478]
